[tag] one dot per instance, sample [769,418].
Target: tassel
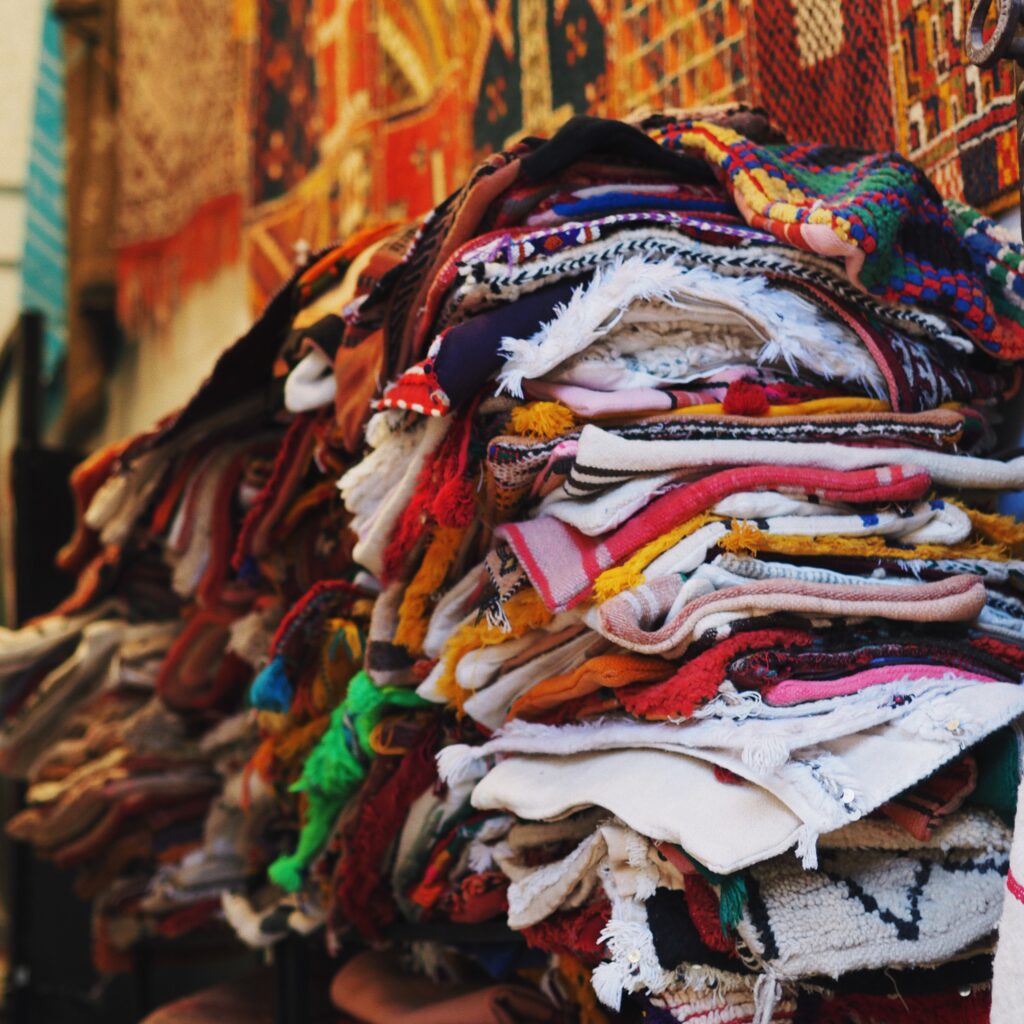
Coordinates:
[495,617]
[414,613]
[743,539]
[543,420]
[456,763]
[807,847]
[608,980]
[286,873]
[615,580]
[745,398]
[271,690]
[455,504]
[732,897]
[994,527]
[767,992]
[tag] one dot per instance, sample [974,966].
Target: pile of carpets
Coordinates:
[125,710]
[653,650]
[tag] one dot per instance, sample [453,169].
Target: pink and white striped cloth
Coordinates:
[563,563]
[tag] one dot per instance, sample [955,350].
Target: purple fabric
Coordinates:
[468,355]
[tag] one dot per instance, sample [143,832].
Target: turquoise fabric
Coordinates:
[44,283]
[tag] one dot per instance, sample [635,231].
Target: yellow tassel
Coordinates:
[414,613]
[525,611]
[291,748]
[742,538]
[543,420]
[995,527]
[745,538]
[631,573]
[270,723]
[336,670]
[615,580]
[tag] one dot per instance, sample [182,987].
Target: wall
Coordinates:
[19,52]
[158,373]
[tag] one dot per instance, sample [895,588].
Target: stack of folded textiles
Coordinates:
[650,640]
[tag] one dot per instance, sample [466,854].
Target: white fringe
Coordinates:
[791,329]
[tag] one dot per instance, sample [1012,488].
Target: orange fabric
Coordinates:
[86,479]
[359,371]
[336,261]
[604,670]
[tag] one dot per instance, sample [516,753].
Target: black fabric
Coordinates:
[326,334]
[676,939]
[596,137]
[914,981]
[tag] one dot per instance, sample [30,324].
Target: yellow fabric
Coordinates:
[746,539]
[630,574]
[543,420]
[995,527]
[815,407]
[524,611]
[413,615]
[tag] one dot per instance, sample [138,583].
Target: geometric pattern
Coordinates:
[366,111]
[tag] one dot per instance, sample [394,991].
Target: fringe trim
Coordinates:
[595,310]
[630,574]
[745,538]
[543,420]
[153,276]
[1000,529]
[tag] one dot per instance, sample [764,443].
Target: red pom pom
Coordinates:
[744,398]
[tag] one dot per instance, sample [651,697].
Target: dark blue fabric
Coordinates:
[613,202]
[469,357]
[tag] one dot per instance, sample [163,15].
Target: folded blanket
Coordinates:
[547,771]
[867,909]
[656,619]
[562,564]
[665,796]
[630,305]
[604,460]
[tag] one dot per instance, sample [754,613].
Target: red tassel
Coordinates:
[744,398]
[702,903]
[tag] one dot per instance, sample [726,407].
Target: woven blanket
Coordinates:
[562,563]
[877,212]
[605,460]
[486,284]
[870,909]
[657,617]
[179,155]
[822,789]
[419,100]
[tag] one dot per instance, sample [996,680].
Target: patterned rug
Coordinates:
[890,75]
[180,151]
[364,112]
